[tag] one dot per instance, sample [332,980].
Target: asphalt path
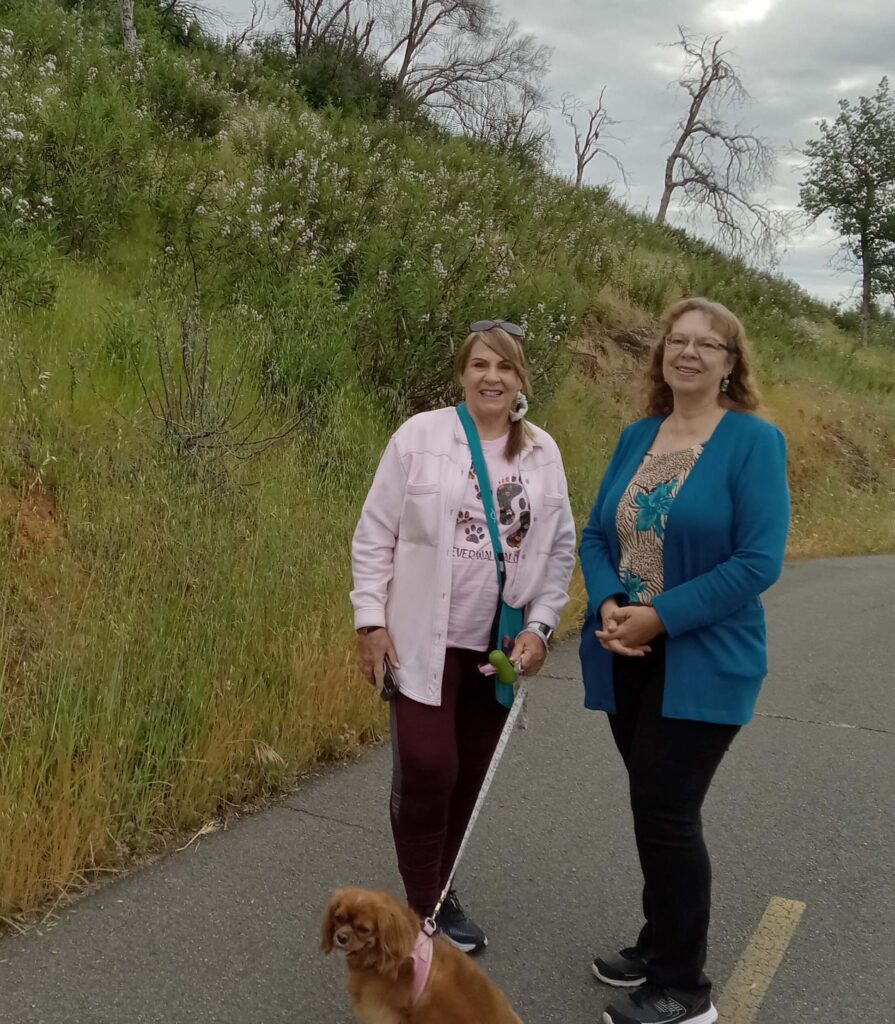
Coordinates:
[802,808]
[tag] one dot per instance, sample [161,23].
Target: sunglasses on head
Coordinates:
[505,325]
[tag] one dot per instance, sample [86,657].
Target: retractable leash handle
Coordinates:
[503,667]
[501,664]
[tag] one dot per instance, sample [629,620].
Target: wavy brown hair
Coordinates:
[507,347]
[741,392]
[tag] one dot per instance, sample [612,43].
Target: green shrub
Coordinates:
[183,98]
[330,76]
[26,275]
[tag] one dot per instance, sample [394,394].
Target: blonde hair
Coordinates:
[507,347]
[741,391]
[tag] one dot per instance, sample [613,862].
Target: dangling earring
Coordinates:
[520,407]
[725,384]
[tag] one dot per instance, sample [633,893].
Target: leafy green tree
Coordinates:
[851,177]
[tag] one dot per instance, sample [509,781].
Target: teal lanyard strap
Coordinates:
[481,471]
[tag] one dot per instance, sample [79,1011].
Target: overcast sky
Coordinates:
[797,58]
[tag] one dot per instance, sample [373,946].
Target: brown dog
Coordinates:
[378,936]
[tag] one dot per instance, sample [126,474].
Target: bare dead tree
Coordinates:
[717,166]
[444,50]
[346,25]
[178,16]
[128,28]
[510,119]
[425,21]
[455,56]
[256,20]
[189,10]
[451,70]
[587,139]
[356,35]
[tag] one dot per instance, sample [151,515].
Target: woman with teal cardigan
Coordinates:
[688,529]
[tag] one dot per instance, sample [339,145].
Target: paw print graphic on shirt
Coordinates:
[464,517]
[510,500]
[474,534]
[514,539]
[472,476]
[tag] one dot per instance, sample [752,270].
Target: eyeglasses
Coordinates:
[505,325]
[703,346]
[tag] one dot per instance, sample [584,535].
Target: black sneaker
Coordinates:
[461,931]
[651,1004]
[624,969]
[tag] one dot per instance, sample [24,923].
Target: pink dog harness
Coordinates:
[421,955]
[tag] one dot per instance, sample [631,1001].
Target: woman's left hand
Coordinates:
[635,626]
[529,652]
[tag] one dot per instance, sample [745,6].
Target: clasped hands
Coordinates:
[628,630]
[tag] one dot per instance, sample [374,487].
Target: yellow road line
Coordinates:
[755,969]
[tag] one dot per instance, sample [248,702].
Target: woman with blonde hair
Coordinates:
[465,544]
[688,528]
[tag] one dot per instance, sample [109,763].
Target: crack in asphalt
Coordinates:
[767,714]
[327,817]
[814,721]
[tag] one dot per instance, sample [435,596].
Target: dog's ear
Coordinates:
[397,928]
[328,922]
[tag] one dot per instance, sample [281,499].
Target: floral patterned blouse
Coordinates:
[640,520]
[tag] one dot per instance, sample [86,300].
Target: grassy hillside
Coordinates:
[215,303]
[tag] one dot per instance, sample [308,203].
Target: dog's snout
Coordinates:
[342,938]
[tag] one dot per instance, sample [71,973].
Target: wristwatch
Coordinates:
[368,629]
[540,629]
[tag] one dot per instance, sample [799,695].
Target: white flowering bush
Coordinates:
[71,148]
[26,210]
[404,244]
[184,97]
[377,240]
[380,241]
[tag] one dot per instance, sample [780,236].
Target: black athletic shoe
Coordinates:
[651,1004]
[624,969]
[461,931]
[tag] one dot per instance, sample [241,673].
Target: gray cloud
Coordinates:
[797,59]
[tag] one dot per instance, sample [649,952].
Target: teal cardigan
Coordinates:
[724,542]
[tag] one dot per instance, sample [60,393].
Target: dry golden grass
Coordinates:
[168,659]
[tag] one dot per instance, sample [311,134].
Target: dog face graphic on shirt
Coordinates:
[513,508]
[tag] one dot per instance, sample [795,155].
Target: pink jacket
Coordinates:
[401,554]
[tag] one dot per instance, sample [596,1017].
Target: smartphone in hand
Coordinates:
[389,682]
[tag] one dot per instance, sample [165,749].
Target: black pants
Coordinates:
[670,764]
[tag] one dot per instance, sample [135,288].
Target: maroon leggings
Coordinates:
[440,756]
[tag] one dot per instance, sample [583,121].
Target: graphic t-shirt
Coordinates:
[474,577]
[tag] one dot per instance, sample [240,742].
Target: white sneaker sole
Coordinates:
[464,947]
[709,1017]
[614,981]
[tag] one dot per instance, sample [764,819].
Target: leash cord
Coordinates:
[429,925]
